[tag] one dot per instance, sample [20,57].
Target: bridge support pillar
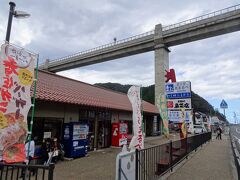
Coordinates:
[46,64]
[161,62]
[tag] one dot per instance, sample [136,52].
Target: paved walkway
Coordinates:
[99,165]
[213,162]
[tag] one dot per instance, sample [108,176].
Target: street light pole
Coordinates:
[10,17]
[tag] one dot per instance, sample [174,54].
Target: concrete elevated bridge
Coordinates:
[158,40]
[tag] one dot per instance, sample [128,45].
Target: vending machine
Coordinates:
[119,134]
[75,139]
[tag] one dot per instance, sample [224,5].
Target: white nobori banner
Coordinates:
[135,99]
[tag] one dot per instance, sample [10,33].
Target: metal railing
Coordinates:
[236,153]
[105,46]
[199,18]
[165,28]
[154,162]
[26,172]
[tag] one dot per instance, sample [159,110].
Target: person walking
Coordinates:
[219,133]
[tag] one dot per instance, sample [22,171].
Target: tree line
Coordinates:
[148,94]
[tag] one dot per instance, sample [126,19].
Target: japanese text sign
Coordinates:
[179,103]
[135,99]
[16,77]
[178,87]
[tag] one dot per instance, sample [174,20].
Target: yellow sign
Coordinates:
[3,121]
[25,77]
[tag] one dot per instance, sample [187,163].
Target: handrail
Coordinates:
[107,45]
[199,18]
[165,28]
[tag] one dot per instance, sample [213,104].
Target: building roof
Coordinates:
[56,88]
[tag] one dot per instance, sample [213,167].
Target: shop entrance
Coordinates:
[104,134]
[100,120]
[47,128]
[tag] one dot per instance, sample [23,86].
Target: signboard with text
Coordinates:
[178,87]
[176,115]
[178,95]
[16,77]
[179,103]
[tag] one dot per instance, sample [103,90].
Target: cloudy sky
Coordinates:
[59,28]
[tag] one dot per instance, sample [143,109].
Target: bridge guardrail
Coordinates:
[165,28]
[199,18]
[106,45]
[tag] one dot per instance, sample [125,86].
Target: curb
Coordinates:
[236,157]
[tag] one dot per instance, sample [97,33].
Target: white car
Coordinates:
[197,129]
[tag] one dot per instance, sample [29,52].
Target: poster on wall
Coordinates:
[16,78]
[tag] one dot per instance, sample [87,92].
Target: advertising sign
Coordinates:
[135,99]
[178,95]
[84,128]
[178,87]
[178,90]
[176,115]
[80,131]
[16,77]
[179,103]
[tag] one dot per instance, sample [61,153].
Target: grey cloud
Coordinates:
[60,28]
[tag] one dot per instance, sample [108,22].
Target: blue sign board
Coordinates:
[223,105]
[178,87]
[176,115]
[178,95]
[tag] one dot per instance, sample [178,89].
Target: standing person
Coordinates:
[55,148]
[44,151]
[48,150]
[29,150]
[218,133]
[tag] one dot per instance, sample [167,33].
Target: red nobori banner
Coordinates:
[16,77]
